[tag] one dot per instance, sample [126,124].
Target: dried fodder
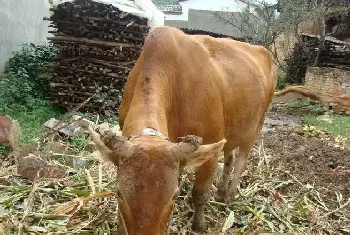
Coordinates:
[271,200]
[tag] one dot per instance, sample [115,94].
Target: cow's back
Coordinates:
[217,88]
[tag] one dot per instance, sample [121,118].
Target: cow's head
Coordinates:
[148,171]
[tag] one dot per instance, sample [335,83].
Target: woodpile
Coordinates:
[98,46]
[212,34]
[335,54]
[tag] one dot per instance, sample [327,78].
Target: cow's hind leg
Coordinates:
[201,191]
[239,166]
[229,158]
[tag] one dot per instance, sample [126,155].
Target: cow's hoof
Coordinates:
[199,226]
[230,198]
[220,197]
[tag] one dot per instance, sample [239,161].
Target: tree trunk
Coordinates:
[322,39]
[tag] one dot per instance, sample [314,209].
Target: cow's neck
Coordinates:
[149,107]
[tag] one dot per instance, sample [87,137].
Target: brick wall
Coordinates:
[332,84]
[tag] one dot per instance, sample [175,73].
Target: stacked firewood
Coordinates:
[98,46]
[335,54]
[212,34]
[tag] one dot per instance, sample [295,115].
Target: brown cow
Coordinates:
[9,131]
[181,85]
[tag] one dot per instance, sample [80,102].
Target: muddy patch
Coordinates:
[313,160]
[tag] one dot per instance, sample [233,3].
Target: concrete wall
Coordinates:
[21,21]
[332,84]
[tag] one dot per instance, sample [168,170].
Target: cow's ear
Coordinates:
[193,154]
[112,147]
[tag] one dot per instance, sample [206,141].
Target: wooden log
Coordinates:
[90,42]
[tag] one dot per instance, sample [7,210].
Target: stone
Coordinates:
[9,131]
[116,129]
[82,163]
[52,122]
[33,168]
[83,122]
[103,127]
[70,130]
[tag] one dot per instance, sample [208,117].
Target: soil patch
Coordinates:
[313,160]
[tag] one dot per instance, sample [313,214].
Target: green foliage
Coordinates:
[316,109]
[281,81]
[31,117]
[79,142]
[26,74]
[24,88]
[15,90]
[302,103]
[336,125]
[4,150]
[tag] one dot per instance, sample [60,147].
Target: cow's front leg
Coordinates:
[201,191]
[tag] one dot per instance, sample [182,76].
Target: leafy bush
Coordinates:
[281,81]
[26,73]
[317,109]
[15,90]
[24,88]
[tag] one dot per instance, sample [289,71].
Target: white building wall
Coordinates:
[21,21]
[211,5]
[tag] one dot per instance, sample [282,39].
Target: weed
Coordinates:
[79,142]
[31,117]
[29,66]
[336,125]
[316,109]
[300,103]
[4,150]
[281,81]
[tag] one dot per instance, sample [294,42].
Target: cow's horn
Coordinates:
[111,146]
[189,144]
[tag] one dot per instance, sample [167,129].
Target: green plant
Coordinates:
[79,142]
[316,108]
[4,150]
[14,90]
[31,117]
[299,104]
[281,81]
[29,68]
[336,125]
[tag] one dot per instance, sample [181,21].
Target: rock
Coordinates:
[67,130]
[90,146]
[71,130]
[9,131]
[76,117]
[116,129]
[103,127]
[32,167]
[83,122]
[81,163]
[52,122]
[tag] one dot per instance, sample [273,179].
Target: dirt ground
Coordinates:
[316,160]
[313,160]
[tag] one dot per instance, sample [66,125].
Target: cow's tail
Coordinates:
[300,90]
